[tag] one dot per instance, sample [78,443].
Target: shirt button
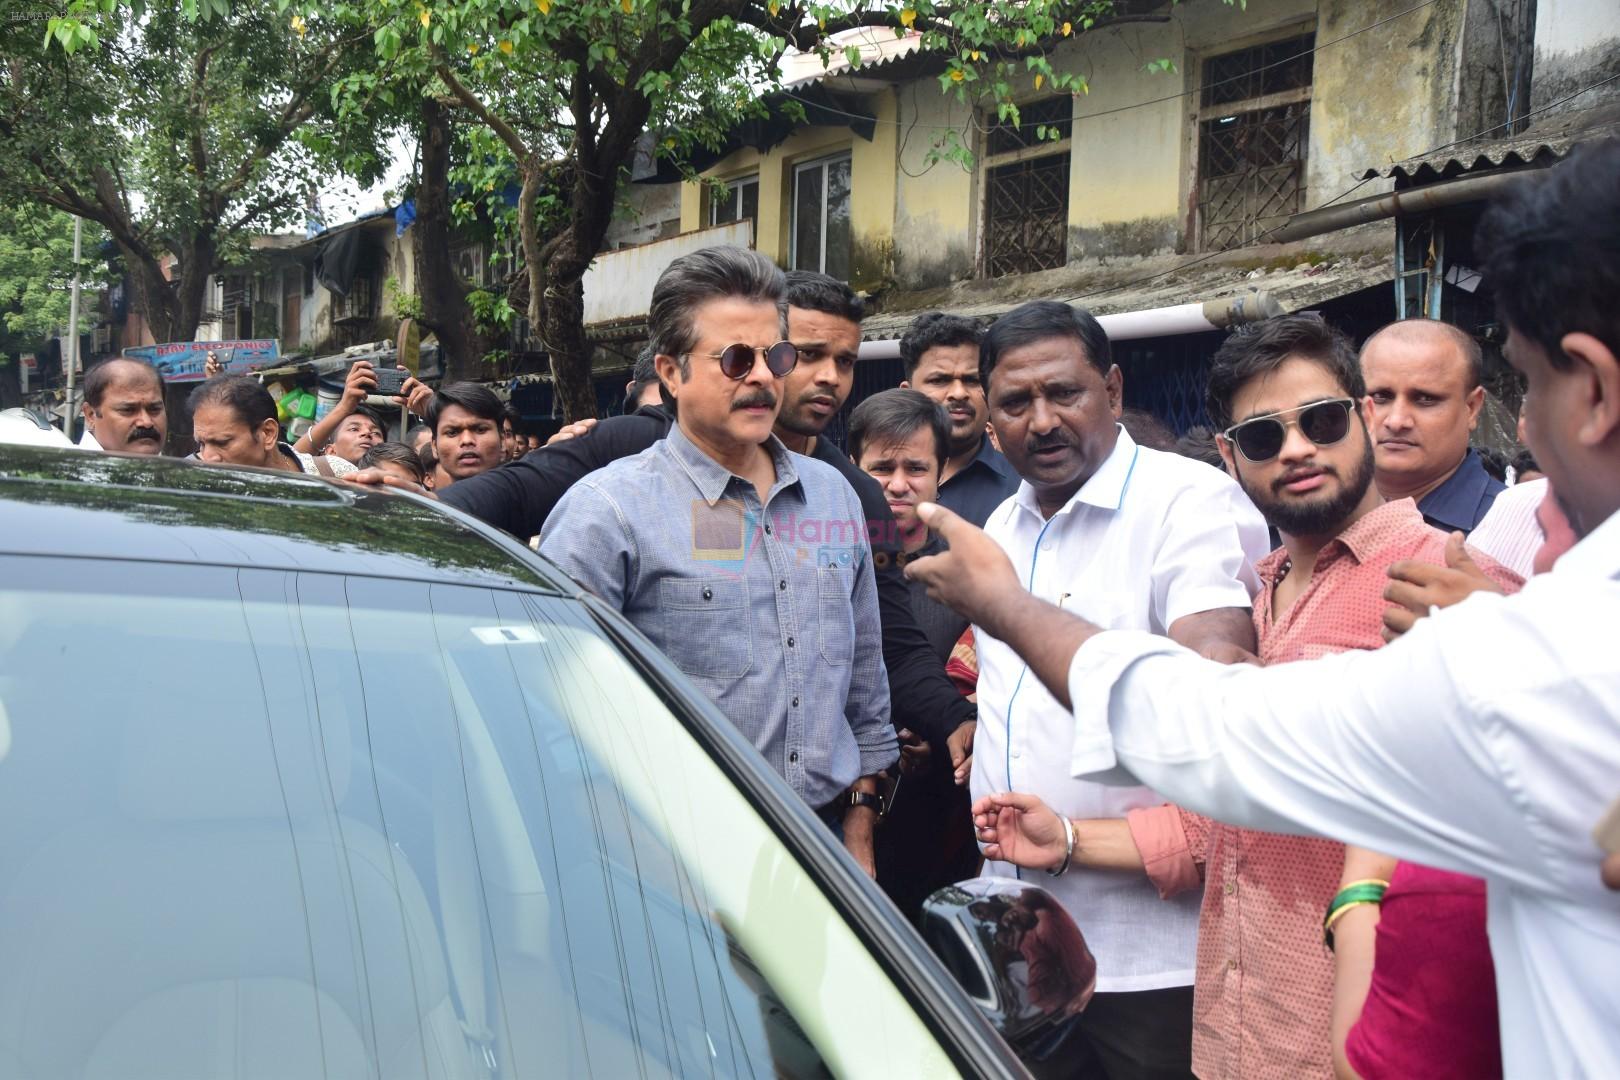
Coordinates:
[795,703]
[794,757]
[767,528]
[1231,887]
[790,643]
[1046,545]
[1231,965]
[708,593]
[782,585]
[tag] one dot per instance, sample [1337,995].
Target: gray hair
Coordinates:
[711,273]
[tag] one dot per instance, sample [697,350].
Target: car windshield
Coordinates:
[263,823]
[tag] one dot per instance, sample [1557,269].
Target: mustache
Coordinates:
[765,398]
[1053,441]
[145,433]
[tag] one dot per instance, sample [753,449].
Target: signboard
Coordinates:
[182,361]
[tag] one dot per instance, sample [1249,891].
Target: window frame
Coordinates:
[1199,113]
[988,163]
[823,163]
[734,187]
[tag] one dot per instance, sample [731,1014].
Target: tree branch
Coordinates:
[470,102]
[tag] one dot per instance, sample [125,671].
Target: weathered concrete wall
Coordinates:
[642,213]
[936,203]
[1577,44]
[1382,96]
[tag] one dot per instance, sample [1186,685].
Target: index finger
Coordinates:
[1418,573]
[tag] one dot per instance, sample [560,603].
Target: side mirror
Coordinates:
[1018,955]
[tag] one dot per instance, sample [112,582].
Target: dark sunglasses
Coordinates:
[1261,439]
[736,361]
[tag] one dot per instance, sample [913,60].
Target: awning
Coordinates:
[1542,143]
[821,108]
[1290,289]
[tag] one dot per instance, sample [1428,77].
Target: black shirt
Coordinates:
[986,482]
[942,626]
[520,495]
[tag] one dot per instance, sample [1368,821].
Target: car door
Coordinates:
[267,822]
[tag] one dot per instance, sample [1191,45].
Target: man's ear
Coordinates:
[269,432]
[87,411]
[1599,395]
[669,373]
[1475,400]
[1115,382]
[905,384]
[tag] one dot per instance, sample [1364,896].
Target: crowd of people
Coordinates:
[1013,623]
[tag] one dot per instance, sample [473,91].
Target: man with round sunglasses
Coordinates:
[747,564]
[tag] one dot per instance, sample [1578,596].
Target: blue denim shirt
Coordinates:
[770,607]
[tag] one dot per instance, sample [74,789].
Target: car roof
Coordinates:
[82,504]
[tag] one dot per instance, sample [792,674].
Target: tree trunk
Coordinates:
[445,310]
[563,323]
[198,262]
[557,306]
[152,291]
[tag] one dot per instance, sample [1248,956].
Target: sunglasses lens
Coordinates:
[1260,440]
[782,358]
[1325,424]
[736,361]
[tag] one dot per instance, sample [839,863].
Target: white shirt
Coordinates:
[87,439]
[1509,532]
[1151,537]
[1485,741]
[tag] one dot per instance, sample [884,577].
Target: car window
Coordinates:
[264,823]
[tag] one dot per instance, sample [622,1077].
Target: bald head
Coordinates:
[1423,382]
[1435,335]
[123,406]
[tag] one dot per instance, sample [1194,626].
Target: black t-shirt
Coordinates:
[519,496]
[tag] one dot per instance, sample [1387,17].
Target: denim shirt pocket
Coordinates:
[835,613]
[707,630]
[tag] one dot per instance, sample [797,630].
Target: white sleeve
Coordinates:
[1212,537]
[1379,749]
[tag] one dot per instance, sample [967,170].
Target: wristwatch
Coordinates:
[865,798]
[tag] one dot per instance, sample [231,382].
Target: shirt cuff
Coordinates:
[1213,597]
[1098,665]
[1158,834]
[877,758]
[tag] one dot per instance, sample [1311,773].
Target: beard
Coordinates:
[1319,516]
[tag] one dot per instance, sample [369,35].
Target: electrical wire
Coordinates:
[854,72]
[1342,195]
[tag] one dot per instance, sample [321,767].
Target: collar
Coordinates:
[1361,541]
[992,459]
[87,439]
[1455,503]
[712,478]
[1107,487]
[1597,554]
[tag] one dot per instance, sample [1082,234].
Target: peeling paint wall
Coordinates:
[646,212]
[1378,95]
[1383,95]
[1577,44]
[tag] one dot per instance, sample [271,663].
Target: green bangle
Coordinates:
[1355,894]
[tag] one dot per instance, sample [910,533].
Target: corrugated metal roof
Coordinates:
[1543,143]
[1295,289]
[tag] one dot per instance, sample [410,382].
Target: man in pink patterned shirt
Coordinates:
[1288,395]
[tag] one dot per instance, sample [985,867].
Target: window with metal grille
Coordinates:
[1007,137]
[1253,129]
[1026,201]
